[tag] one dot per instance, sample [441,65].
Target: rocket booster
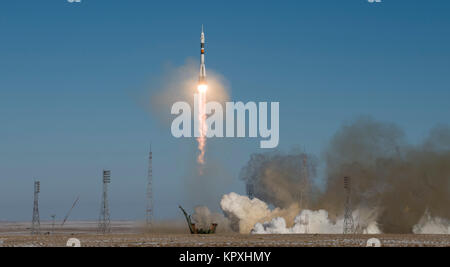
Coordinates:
[202,77]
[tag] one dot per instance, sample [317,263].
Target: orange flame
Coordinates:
[202,126]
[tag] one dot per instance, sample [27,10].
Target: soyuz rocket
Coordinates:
[202,76]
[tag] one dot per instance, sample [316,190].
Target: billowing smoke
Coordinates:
[244,213]
[314,222]
[203,218]
[406,187]
[279,179]
[253,215]
[404,182]
[430,225]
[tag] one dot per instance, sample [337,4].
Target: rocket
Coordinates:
[202,76]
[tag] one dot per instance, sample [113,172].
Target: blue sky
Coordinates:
[72,77]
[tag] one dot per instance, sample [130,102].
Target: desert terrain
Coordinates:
[129,234]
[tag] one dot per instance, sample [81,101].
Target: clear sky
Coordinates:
[72,75]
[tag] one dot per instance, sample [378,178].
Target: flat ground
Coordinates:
[127,234]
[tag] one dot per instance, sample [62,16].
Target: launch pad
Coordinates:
[194,229]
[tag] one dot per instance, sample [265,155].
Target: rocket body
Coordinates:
[202,76]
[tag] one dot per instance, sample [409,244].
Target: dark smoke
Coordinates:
[278,178]
[402,182]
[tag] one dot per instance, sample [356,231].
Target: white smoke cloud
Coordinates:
[312,222]
[254,216]
[430,225]
[244,213]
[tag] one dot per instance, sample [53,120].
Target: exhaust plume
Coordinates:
[406,186]
[314,222]
[244,213]
[180,84]
[203,218]
[254,216]
[277,178]
[404,182]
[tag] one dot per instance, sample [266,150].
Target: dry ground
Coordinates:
[127,234]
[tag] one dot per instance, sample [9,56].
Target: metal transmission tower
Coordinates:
[149,209]
[104,222]
[250,188]
[304,192]
[305,184]
[36,224]
[349,225]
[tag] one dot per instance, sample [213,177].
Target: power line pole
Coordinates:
[149,209]
[36,224]
[53,222]
[349,226]
[104,222]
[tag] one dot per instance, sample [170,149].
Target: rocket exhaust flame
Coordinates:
[202,124]
[202,88]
